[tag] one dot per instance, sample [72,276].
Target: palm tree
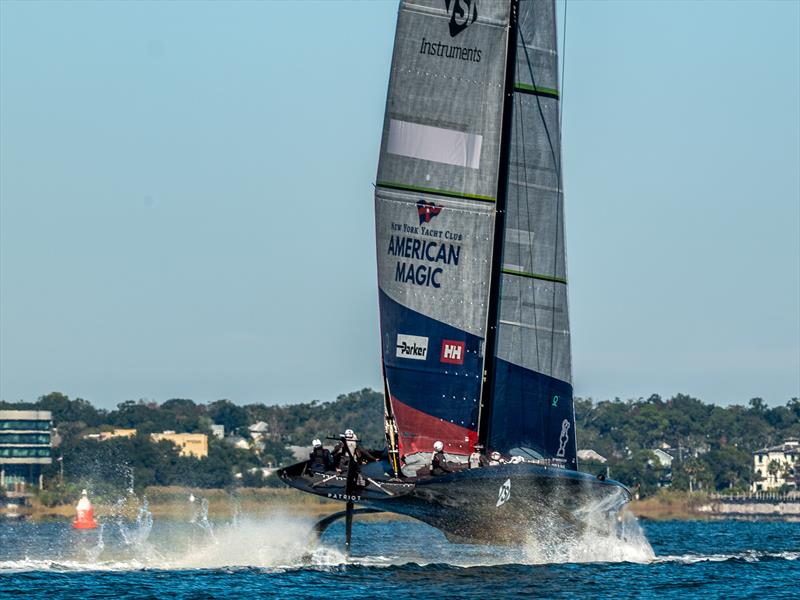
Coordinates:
[772,468]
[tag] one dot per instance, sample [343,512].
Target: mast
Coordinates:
[485,407]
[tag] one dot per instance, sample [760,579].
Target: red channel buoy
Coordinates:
[85,513]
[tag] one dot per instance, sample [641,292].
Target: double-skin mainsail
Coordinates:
[470,234]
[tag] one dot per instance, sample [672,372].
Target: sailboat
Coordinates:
[472,283]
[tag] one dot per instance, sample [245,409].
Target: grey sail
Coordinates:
[532,408]
[435,213]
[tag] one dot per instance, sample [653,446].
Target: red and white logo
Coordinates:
[452,352]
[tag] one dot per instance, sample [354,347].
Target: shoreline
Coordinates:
[175,503]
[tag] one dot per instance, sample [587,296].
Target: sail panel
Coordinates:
[435,200]
[447,76]
[532,404]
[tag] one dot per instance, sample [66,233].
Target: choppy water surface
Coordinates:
[276,557]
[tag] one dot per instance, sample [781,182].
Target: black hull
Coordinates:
[505,504]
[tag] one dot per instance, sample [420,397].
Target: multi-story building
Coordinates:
[776,466]
[25,446]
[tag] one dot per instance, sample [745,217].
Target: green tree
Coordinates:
[225,412]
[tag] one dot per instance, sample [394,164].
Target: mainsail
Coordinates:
[474,327]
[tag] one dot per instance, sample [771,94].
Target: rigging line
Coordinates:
[563,67]
[530,244]
[557,166]
[518,128]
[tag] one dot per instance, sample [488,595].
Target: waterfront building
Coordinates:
[117,433]
[107,435]
[25,446]
[664,460]
[190,444]
[776,466]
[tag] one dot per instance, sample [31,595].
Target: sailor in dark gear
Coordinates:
[348,447]
[477,458]
[439,464]
[320,458]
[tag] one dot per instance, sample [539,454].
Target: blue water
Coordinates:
[275,558]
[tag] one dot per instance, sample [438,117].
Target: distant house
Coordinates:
[108,435]
[664,458]
[259,431]
[126,433]
[237,441]
[218,431]
[190,444]
[591,456]
[776,466]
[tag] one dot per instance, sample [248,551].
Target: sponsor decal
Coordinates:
[452,352]
[563,439]
[412,346]
[555,400]
[344,497]
[448,51]
[504,493]
[462,14]
[429,250]
[426,211]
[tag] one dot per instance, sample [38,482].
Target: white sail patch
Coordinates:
[436,144]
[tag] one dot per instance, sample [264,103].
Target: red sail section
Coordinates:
[428,429]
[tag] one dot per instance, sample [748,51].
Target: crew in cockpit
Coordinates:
[439,464]
[320,458]
[495,458]
[347,447]
[477,458]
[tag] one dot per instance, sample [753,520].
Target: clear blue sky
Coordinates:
[186,200]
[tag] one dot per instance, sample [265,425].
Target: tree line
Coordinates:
[712,444]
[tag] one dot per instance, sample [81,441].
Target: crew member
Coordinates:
[477,459]
[349,447]
[439,464]
[320,458]
[496,459]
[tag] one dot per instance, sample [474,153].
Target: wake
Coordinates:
[283,541]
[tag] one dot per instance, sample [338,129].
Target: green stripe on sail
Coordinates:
[534,276]
[449,194]
[536,91]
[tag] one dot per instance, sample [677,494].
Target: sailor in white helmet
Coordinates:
[439,464]
[320,458]
[495,459]
[348,447]
[477,459]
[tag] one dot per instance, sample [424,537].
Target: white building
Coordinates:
[664,459]
[776,466]
[218,431]
[259,431]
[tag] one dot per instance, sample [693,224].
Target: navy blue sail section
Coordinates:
[532,412]
[436,394]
